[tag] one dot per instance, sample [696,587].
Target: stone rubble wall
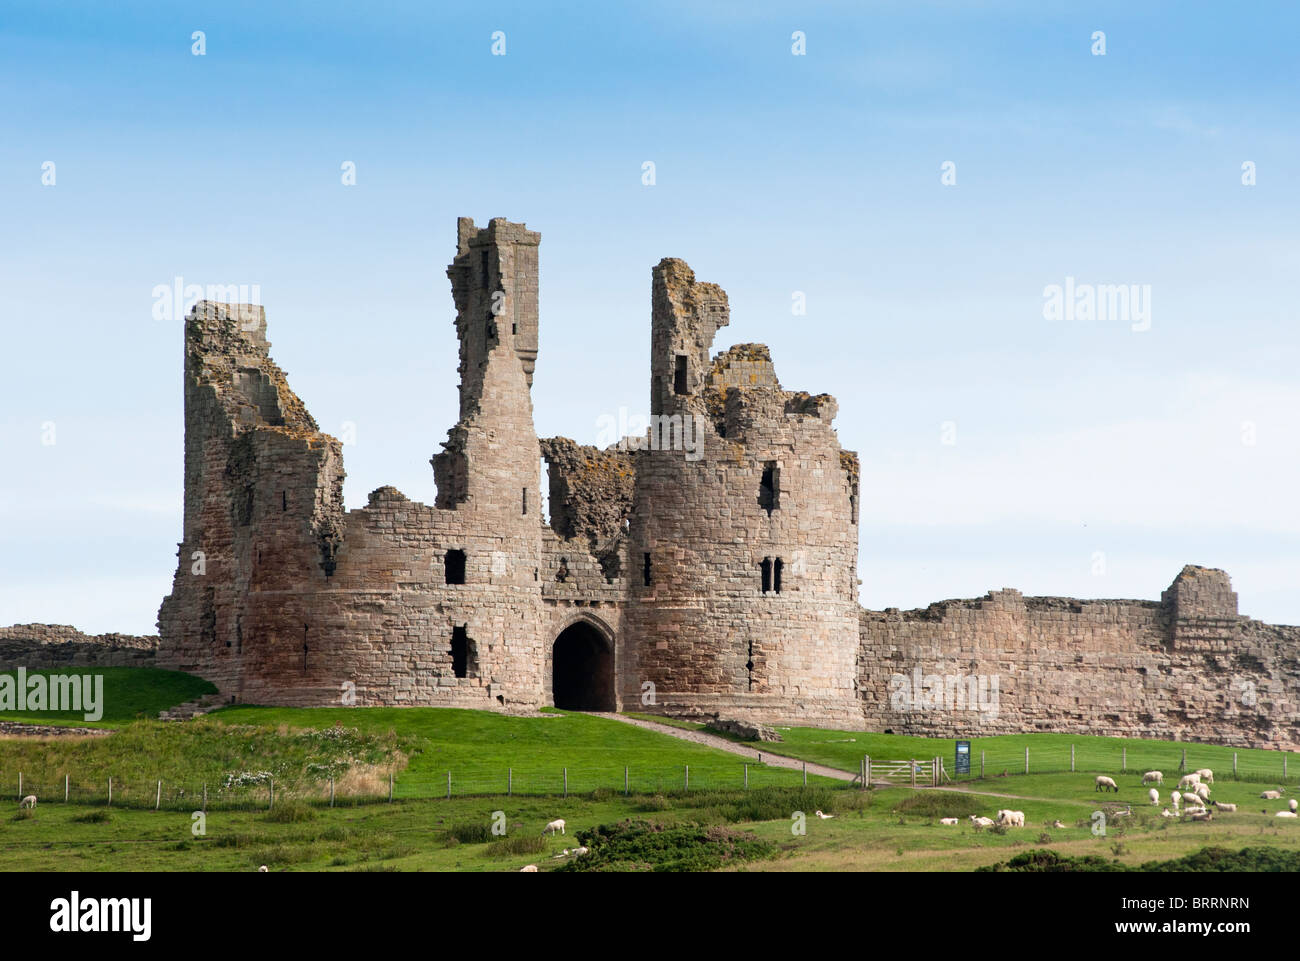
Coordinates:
[41,646]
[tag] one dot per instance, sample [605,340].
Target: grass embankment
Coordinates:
[129,693]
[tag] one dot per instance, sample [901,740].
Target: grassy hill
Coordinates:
[129,693]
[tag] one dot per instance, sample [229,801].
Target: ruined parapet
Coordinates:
[34,646]
[1201,609]
[590,489]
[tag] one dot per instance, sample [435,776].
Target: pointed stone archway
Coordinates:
[582,668]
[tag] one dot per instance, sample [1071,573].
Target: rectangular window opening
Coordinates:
[776,575]
[769,488]
[766,568]
[454,566]
[460,651]
[646,571]
[679,375]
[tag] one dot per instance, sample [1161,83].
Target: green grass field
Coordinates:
[716,824]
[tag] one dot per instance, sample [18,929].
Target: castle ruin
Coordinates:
[705,568]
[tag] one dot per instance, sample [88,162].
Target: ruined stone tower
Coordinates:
[707,566]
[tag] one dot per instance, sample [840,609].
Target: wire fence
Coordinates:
[1263,767]
[263,793]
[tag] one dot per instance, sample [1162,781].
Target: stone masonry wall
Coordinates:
[57,645]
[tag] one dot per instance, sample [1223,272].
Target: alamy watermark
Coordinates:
[944,692]
[173,301]
[683,432]
[1123,302]
[57,692]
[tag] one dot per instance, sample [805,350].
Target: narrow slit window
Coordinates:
[776,575]
[525,497]
[679,375]
[646,571]
[460,652]
[454,563]
[769,488]
[766,568]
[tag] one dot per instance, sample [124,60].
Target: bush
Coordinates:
[644,846]
[98,816]
[519,844]
[940,804]
[478,832]
[290,812]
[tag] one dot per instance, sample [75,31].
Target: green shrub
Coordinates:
[290,812]
[519,844]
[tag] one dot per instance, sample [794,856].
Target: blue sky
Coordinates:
[1074,439]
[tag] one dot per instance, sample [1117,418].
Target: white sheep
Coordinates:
[1165,814]
[1286,814]
[580,851]
[528,869]
[28,802]
[1271,795]
[981,821]
[1057,824]
[1175,797]
[1206,775]
[1153,777]
[1189,780]
[1192,799]
[262,870]
[1201,790]
[1292,804]
[1106,784]
[948,821]
[1012,819]
[1202,814]
[824,817]
[556,825]
[1154,795]
[1224,806]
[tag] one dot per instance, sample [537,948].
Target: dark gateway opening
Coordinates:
[583,670]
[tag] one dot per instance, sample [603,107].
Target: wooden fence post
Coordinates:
[937,768]
[448,785]
[688,778]
[805,771]
[110,792]
[65,789]
[866,761]
[625,780]
[1234,764]
[746,777]
[566,782]
[1182,765]
[1026,759]
[912,765]
[1123,759]
[158,800]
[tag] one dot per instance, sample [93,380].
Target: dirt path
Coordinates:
[722,744]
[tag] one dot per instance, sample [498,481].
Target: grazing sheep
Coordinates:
[1057,824]
[1292,804]
[948,821]
[824,817]
[1175,797]
[1224,806]
[28,802]
[1106,784]
[556,825]
[1271,795]
[1166,814]
[1012,819]
[262,869]
[1154,795]
[580,851]
[1206,775]
[1153,777]
[1192,799]
[981,822]
[528,868]
[1189,780]
[1202,791]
